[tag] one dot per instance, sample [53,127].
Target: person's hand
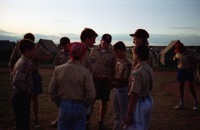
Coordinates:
[110,87]
[128,119]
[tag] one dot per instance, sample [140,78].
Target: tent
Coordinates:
[167,54]
[50,46]
[6,48]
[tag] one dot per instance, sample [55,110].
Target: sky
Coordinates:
[165,20]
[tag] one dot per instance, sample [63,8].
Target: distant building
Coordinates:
[6,48]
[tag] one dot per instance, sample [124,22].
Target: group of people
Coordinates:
[84,73]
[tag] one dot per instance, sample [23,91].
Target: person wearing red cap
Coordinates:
[72,90]
[186,62]
[61,57]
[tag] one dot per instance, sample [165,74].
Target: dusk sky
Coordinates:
[165,20]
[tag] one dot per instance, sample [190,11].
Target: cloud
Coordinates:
[155,39]
[2,32]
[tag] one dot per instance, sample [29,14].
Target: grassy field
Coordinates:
[165,95]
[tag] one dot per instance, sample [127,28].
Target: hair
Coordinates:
[26,44]
[87,33]
[142,51]
[29,36]
[145,42]
[119,46]
[77,50]
[64,41]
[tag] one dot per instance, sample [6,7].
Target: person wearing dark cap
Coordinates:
[103,65]
[141,37]
[72,90]
[186,63]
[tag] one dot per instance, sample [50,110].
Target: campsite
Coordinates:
[165,95]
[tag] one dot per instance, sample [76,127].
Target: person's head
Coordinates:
[88,37]
[64,41]
[179,47]
[140,37]
[105,41]
[141,52]
[77,51]
[119,49]
[29,36]
[27,48]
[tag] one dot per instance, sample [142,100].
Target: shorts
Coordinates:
[102,91]
[185,75]
[37,83]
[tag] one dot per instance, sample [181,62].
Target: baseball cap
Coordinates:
[140,33]
[77,50]
[107,38]
[179,47]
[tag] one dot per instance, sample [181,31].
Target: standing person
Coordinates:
[72,89]
[120,84]
[141,37]
[41,54]
[61,57]
[186,63]
[140,102]
[103,66]
[88,37]
[22,85]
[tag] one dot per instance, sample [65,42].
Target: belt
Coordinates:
[122,86]
[144,98]
[76,101]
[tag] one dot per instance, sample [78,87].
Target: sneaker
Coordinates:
[195,107]
[101,126]
[54,124]
[179,107]
[36,123]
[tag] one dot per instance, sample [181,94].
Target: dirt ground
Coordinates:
[164,117]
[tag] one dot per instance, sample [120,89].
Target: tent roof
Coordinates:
[48,45]
[167,48]
[6,45]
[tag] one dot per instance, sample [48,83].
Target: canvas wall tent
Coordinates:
[50,46]
[167,54]
[6,48]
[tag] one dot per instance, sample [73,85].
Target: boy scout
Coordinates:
[141,37]
[103,60]
[120,84]
[88,37]
[140,102]
[22,85]
[41,54]
[63,55]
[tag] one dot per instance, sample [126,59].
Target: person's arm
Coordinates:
[131,108]
[20,78]
[13,59]
[90,92]
[53,89]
